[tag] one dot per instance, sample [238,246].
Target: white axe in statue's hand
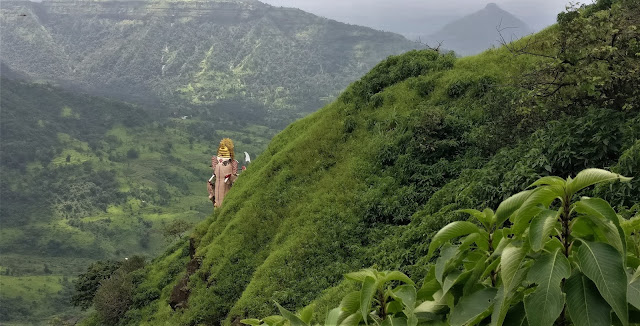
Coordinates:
[247,160]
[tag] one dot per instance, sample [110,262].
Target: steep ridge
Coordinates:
[479,31]
[367,180]
[241,60]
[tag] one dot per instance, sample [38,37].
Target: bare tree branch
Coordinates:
[427,46]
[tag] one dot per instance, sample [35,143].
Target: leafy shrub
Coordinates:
[349,125]
[113,297]
[175,229]
[108,286]
[145,296]
[88,283]
[543,257]
[482,86]
[396,69]
[132,154]
[458,88]
[423,85]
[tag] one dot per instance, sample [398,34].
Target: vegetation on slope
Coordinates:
[370,178]
[85,178]
[542,258]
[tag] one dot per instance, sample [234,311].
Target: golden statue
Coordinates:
[225,172]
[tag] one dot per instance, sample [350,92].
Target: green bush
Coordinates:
[544,257]
[113,297]
[458,88]
[88,283]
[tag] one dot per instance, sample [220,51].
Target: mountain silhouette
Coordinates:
[479,31]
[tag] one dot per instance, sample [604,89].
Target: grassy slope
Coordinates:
[366,180]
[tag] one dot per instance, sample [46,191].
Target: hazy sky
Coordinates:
[415,17]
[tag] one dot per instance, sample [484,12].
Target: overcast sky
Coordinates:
[420,17]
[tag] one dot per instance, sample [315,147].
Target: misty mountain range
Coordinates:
[248,59]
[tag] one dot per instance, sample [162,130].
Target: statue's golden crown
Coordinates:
[226,148]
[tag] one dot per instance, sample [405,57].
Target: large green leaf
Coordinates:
[472,306]
[516,316]
[480,216]
[306,314]
[511,261]
[369,288]
[505,296]
[500,307]
[545,304]
[454,278]
[396,276]
[480,239]
[360,275]
[273,320]
[491,267]
[351,302]
[440,302]
[292,318]
[352,320]
[473,281]
[451,231]
[603,264]
[490,215]
[633,293]
[429,286]
[585,305]
[333,317]
[590,177]
[442,263]
[539,200]
[255,322]
[541,228]
[603,216]
[407,294]
[510,205]
[549,181]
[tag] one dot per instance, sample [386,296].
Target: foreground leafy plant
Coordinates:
[544,257]
[554,247]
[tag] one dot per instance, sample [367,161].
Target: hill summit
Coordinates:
[480,30]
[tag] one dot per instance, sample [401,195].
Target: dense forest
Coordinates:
[368,181]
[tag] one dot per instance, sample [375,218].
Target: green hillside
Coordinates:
[367,180]
[85,178]
[222,60]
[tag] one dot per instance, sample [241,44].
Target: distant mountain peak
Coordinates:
[478,31]
[492,6]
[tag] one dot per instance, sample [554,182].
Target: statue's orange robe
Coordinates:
[221,169]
